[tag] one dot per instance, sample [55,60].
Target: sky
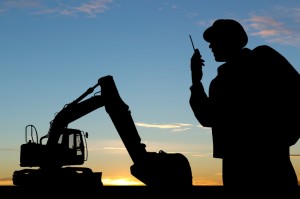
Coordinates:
[53,51]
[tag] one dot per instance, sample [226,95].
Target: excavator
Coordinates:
[57,155]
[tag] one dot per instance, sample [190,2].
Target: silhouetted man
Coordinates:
[249,108]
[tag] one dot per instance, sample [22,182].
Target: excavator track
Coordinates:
[61,177]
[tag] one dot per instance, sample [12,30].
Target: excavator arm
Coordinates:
[121,117]
[153,169]
[70,113]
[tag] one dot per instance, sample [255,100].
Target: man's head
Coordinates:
[226,37]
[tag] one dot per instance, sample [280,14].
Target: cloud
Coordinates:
[175,127]
[206,180]
[295,155]
[6,181]
[114,145]
[167,6]
[114,148]
[280,25]
[21,4]
[90,8]
[162,126]
[267,27]
[7,149]
[200,155]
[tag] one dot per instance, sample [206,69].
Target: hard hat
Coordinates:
[227,29]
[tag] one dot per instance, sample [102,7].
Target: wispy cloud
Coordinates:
[208,180]
[8,149]
[20,4]
[175,127]
[200,155]
[107,145]
[279,25]
[295,155]
[114,148]
[90,8]
[6,181]
[166,5]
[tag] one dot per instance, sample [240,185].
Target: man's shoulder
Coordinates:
[264,49]
[273,61]
[269,54]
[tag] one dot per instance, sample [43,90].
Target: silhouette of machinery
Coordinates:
[65,147]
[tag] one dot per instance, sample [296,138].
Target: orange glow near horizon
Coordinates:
[7,182]
[133,182]
[125,182]
[106,182]
[121,182]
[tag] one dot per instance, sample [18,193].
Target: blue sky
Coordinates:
[53,51]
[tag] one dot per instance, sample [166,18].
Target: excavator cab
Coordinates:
[70,150]
[56,162]
[72,145]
